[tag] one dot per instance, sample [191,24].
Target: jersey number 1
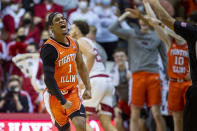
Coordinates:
[70,68]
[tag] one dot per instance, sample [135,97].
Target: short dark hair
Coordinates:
[83,26]
[120,50]
[51,16]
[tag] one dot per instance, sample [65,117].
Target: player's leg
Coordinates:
[178,120]
[142,120]
[118,119]
[176,103]
[106,108]
[92,104]
[142,125]
[79,123]
[154,100]
[160,123]
[135,116]
[105,115]
[78,119]
[137,98]
[105,121]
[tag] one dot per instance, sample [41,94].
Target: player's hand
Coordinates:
[123,16]
[67,105]
[134,13]
[87,94]
[152,21]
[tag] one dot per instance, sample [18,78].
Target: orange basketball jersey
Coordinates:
[178,61]
[65,65]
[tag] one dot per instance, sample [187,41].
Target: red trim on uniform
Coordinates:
[99,75]
[44,91]
[107,108]
[91,109]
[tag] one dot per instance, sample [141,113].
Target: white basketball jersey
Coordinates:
[98,67]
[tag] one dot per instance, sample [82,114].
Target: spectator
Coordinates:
[15,99]
[67,4]
[37,81]
[32,33]
[18,46]
[94,3]
[12,15]
[121,76]
[101,51]
[42,9]
[83,13]
[106,13]
[44,37]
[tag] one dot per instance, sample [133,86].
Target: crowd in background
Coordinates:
[23,29]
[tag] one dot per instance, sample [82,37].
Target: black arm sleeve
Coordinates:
[49,55]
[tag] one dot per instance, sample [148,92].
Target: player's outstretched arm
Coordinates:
[83,72]
[167,31]
[120,32]
[162,14]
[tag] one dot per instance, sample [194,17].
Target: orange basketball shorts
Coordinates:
[176,95]
[146,88]
[55,109]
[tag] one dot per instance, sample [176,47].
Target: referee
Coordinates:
[189,33]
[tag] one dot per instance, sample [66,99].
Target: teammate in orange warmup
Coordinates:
[178,68]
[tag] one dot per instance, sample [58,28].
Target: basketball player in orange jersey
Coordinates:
[102,88]
[61,61]
[178,68]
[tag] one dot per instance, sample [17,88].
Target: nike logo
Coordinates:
[82,113]
[61,52]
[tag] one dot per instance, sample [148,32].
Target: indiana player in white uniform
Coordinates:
[102,88]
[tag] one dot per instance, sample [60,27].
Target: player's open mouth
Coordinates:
[63,27]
